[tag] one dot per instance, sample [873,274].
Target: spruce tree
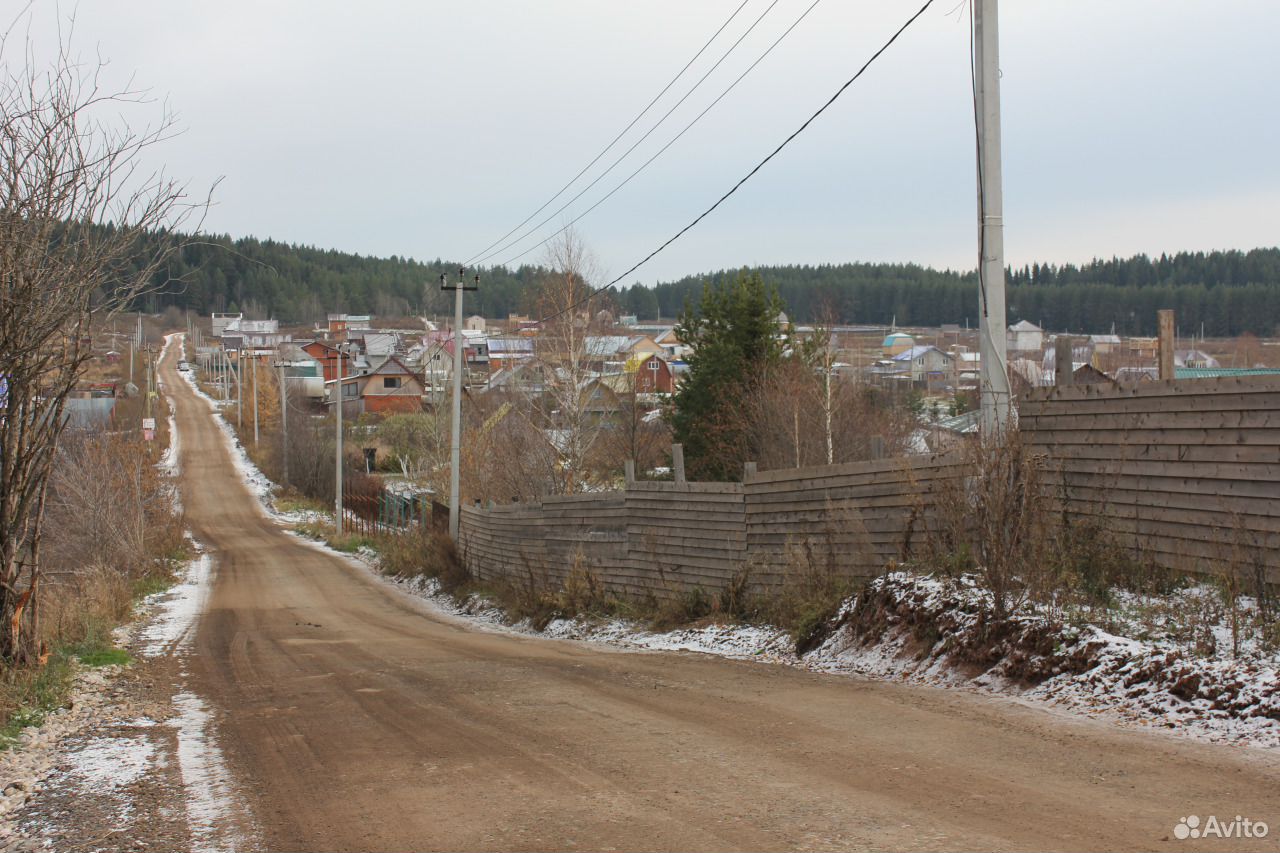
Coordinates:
[735,335]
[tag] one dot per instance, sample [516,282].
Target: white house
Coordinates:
[1025,337]
[926,363]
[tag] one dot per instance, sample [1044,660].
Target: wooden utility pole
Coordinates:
[284,420]
[255,399]
[1063,373]
[994,381]
[1166,344]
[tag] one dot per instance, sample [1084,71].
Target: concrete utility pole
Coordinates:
[455,434]
[337,463]
[994,381]
[240,389]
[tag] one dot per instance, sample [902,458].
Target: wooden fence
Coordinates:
[1187,473]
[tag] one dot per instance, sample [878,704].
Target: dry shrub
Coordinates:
[109,506]
[994,519]
[423,552]
[83,607]
[582,591]
[111,532]
[813,587]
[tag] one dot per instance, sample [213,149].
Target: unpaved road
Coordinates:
[355,719]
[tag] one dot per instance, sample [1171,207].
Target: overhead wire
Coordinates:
[635,144]
[623,133]
[661,150]
[875,56]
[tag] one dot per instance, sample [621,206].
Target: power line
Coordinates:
[660,151]
[750,174]
[638,142]
[609,147]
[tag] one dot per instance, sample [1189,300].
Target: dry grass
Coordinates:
[111,536]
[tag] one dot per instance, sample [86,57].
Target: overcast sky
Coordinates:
[429,129]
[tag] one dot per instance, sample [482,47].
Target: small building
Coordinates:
[610,353]
[1025,336]
[326,355]
[673,348]
[1087,374]
[646,375]
[474,323]
[1194,358]
[926,364]
[504,352]
[1105,344]
[220,322]
[653,376]
[387,386]
[896,343]
[341,324]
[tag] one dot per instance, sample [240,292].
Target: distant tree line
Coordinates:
[302,284]
[1228,292]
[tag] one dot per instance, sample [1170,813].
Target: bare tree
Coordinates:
[638,431]
[563,354]
[804,413]
[78,211]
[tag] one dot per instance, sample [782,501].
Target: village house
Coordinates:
[611,353]
[386,386]
[643,376]
[1025,336]
[896,343]
[925,364]
[341,324]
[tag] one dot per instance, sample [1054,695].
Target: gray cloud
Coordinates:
[429,129]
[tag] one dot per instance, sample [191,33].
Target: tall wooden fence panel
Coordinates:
[1187,471]
[854,517]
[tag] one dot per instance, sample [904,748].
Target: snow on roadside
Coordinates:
[928,630]
[205,777]
[178,608]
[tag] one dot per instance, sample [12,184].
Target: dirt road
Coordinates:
[356,719]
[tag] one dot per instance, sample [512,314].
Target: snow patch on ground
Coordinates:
[205,777]
[111,762]
[169,459]
[927,630]
[178,608]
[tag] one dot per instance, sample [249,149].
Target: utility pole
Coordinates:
[455,435]
[284,419]
[255,399]
[994,381]
[240,389]
[337,464]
